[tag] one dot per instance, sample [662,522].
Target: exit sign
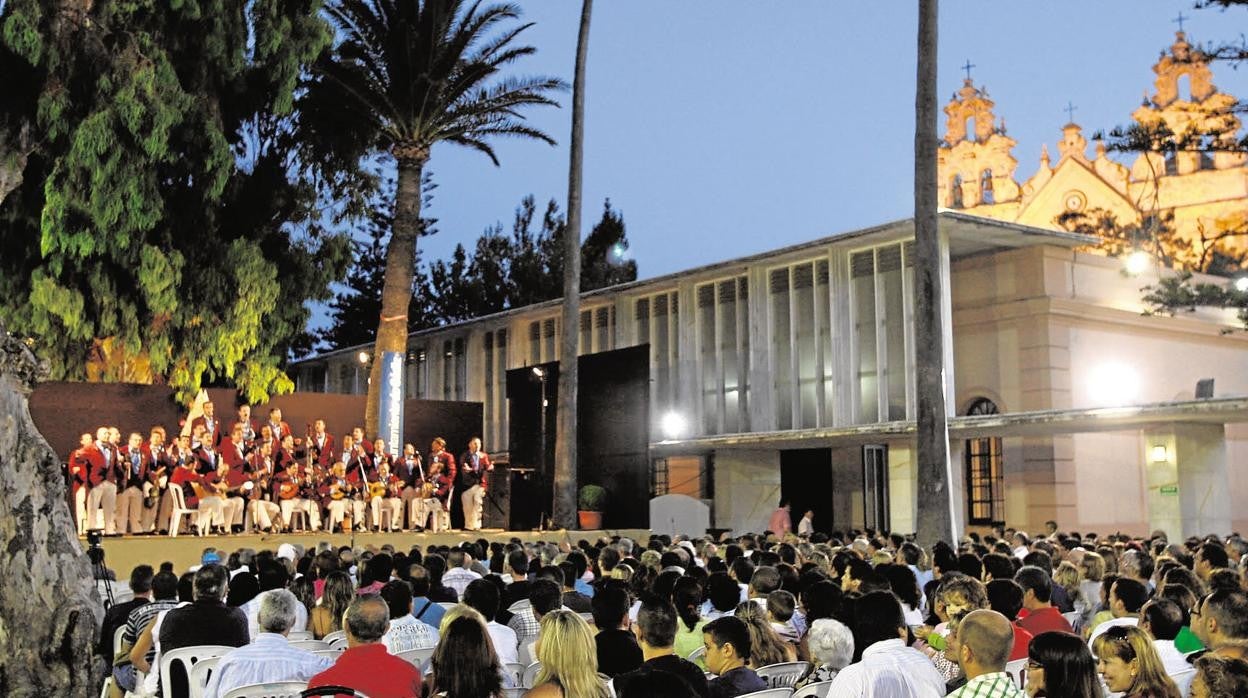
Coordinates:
[1169,490]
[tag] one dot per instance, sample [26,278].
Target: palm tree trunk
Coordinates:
[396,291]
[50,610]
[565,444]
[935,505]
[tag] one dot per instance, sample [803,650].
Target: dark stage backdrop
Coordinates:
[63,411]
[613,414]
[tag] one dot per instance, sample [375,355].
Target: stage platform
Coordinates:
[123,553]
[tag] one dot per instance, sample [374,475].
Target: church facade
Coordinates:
[1196,193]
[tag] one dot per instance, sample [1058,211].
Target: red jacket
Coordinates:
[480,474]
[325,453]
[125,476]
[85,464]
[448,464]
[215,434]
[232,454]
[280,430]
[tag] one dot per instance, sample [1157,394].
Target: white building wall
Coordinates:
[747,487]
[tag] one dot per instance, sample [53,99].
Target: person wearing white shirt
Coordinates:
[269,657]
[1163,619]
[1126,598]
[889,669]
[272,576]
[483,596]
[457,575]
[806,526]
[405,631]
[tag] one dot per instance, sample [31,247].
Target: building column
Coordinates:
[1189,490]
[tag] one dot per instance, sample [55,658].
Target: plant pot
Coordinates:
[590,520]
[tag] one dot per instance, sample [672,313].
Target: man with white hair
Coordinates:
[269,657]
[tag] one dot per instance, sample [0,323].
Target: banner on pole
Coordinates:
[391,422]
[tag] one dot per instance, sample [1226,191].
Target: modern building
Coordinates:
[791,373]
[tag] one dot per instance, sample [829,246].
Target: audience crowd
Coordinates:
[1002,615]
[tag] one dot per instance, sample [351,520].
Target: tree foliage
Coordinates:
[501,271]
[176,213]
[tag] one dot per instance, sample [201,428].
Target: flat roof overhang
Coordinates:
[1228,410]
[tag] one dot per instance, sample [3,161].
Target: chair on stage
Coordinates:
[180,509]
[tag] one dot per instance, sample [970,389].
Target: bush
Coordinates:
[591,498]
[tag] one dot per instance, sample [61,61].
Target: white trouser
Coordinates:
[234,508]
[410,503]
[103,496]
[150,514]
[80,509]
[375,505]
[392,513]
[310,509]
[473,498]
[441,517]
[262,512]
[211,512]
[338,511]
[129,511]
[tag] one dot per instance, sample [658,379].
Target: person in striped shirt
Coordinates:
[985,639]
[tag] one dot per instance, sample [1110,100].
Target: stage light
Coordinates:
[673,425]
[1241,284]
[1160,454]
[362,356]
[537,371]
[1136,263]
[1113,384]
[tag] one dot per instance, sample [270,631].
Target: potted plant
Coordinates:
[589,507]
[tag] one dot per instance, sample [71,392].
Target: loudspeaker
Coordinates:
[497,504]
[1204,389]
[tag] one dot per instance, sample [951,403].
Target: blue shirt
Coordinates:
[429,616]
[583,586]
[268,658]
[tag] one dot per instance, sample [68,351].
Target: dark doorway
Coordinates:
[613,411]
[875,486]
[806,482]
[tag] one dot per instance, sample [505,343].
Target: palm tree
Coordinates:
[404,75]
[566,445]
[935,504]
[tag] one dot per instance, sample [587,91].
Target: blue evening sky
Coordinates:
[729,128]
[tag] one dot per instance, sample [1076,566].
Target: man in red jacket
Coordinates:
[322,445]
[366,665]
[130,486]
[103,481]
[210,423]
[82,461]
[474,478]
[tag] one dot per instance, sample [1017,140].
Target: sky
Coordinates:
[730,128]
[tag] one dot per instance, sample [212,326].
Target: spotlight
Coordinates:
[1137,263]
[1241,284]
[1160,454]
[673,425]
[537,371]
[362,356]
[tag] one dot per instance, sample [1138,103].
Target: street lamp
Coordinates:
[1136,263]
[674,425]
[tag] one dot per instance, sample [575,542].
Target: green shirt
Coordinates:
[1187,642]
[688,640]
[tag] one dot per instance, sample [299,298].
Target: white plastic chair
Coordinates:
[515,672]
[336,635]
[200,674]
[697,655]
[117,638]
[530,674]
[1017,671]
[769,693]
[519,606]
[783,675]
[339,643]
[275,689]
[418,658]
[179,508]
[331,653]
[300,635]
[187,658]
[309,645]
[814,690]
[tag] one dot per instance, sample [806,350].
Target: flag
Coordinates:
[197,410]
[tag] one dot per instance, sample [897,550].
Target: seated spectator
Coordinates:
[1220,620]
[1220,676]
[1210,558]
[1163,619]
[985,638]
[458,575]
[1130,666]
[766,647]
[339,592]
[1041,615]
[269,657]
[573,600]
[618,650]
[205,621]
[517,567]
[781,605]
[655,684]
[888,666]
[728,652]
[544,597]
[116,616]
[1060,665]
[831,646]
[366,666]
[465,664]
[272,576]
[656,633]
[165,591]
[902,582]
[565,648]
[1126,598]
[1005,596]
[405,632]
[687,597]
[436,565]
[722,597]
[424,608]
[483,596]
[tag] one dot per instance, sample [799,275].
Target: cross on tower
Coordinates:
[1179,20]
[967,68]
[1070,112]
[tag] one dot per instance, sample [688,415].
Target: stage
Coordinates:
[123,553]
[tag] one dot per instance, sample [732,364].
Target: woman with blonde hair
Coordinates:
[622,572]
[1130,666]
[1091,572]
[1067,576]
[766,647]
[569,658]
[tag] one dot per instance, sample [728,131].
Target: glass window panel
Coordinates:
[894,329]
[781,348]
[804,309]
[862,286]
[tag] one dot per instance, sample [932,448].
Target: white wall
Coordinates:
[747,487]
